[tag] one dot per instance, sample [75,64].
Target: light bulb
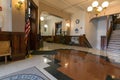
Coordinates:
[67,24]
[99,9]
[46,26]
[42,18]
[21,0]
[95,4]
[90,8]
[105,4]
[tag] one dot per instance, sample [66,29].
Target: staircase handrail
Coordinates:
[84,42]
[109,32]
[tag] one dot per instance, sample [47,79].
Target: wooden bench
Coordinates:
[5,49]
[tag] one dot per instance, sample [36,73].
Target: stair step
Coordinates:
[114,40]
[113,47]
[114,43]
[116,30]
[118,27]
[117,35]
[114,51]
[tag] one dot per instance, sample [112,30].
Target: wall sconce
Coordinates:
[68,24]
[45,27]
[42,18]
[19,4]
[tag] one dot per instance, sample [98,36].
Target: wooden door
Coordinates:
[103,42]
[58,28]
[34,22]
[58,32]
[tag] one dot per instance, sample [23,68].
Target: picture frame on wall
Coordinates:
[77,21]
[58,28]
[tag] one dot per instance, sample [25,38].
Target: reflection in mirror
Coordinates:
[52,25]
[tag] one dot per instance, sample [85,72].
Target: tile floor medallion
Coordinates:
[27,74]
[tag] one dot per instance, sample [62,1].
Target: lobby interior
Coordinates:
[66,39]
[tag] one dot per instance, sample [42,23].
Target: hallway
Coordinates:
[76,62]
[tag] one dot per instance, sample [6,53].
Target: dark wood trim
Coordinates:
[18,48]
[56,28]
[33,40]
[83,41]
[103,42]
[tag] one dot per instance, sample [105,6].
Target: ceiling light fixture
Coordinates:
[95,8]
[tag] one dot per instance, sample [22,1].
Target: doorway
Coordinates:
[33,41]
[58,28]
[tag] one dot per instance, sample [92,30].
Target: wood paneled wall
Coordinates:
[83,42]
[18,47]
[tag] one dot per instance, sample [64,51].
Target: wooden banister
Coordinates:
[84,42]
[112,27]
[109,32]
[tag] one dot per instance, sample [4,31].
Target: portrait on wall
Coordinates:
[58,28]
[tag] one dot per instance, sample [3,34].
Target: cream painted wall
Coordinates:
[18,17]
[86,26]
[81,26]
[6,15]
[101,30]
[91,30]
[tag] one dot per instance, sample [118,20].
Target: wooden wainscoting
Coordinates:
[18,48]
[5,36]
[82,40]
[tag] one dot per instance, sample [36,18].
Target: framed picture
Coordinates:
[77,21]
[58,28]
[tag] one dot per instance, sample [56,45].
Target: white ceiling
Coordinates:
[49,17]
[73,5]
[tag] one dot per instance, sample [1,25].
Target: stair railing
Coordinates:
[112,27]
[109,33]
[84,42]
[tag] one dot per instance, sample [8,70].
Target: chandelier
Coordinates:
[96,8]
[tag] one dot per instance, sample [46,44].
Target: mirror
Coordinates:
[52,25]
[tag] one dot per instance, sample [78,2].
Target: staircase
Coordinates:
[114,45]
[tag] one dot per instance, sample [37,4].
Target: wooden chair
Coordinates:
[5,49]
